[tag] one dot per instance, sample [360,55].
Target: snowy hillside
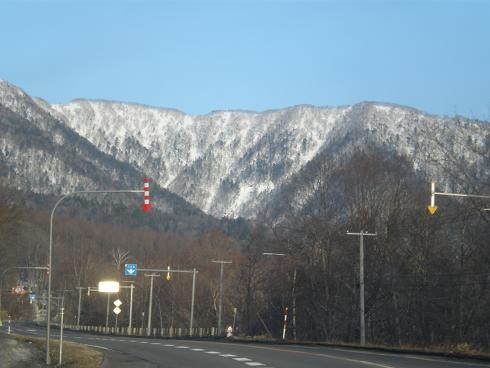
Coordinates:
[230,163]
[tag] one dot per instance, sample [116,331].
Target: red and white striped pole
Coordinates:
[146,192]
[285,323]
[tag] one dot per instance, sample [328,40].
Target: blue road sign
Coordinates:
[130,269]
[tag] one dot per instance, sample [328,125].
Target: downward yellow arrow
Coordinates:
[432,209]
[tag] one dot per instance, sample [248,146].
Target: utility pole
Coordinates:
[220,307]
[192,301]
[79,303]
[151,276]
[361,235]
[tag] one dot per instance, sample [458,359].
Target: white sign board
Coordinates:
[109,287]
[117,310]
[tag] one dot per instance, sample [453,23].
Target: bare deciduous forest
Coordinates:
[427,278]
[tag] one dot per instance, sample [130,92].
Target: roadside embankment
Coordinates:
[29,352]
[18,354]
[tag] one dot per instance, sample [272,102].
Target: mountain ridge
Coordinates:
[231,163]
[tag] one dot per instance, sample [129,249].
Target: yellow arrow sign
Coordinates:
[432,209]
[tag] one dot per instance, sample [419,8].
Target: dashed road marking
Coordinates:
[168,345]
[255,364]
[99,347]
[228,355]
[242,359]
[182,347]
[197,349]
[213,352]
[155,343]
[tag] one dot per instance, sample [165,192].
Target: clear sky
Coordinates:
[198,56]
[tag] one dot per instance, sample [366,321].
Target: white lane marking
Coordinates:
[330,356]
[408,357]
[134,341]
[97,346]
[155,343]
[143,342]
[197,349]
[242,359]
[168,345]
[254,364]
[182,347]
[213,352]
[228,355]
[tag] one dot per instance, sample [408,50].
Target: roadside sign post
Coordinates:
[131,309]
[117,310]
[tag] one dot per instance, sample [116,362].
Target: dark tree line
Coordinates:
[427,278]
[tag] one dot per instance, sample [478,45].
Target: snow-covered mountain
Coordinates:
[231,163]
[42,156]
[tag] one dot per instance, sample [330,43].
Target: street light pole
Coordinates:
[50,254]
[220,307]
[61,328]
[361,235]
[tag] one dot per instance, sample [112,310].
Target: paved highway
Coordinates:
[168,353]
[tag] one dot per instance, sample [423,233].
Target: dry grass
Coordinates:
[74,355]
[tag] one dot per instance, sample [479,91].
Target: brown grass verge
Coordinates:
[74,355]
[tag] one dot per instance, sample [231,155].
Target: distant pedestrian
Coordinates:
[229,331]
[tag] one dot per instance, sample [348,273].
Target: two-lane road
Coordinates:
[145,352]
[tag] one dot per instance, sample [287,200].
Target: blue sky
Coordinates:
[199,56]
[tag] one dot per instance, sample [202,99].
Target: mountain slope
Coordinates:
[40,155]
[230,163]
[234,163]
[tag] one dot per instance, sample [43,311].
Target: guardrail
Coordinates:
[155,332]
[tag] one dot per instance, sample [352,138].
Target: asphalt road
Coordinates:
[136,352]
